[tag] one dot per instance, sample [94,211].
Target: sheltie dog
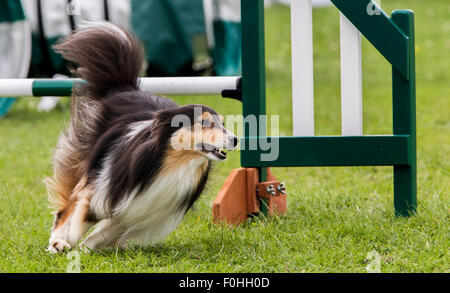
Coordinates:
[122,164]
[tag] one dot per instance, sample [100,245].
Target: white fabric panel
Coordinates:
[15,49]
[30,10]
[120,12]
[208,10]
[94,10]
[227,10]
[56,14]
[55,21]
[90,10]
[223,10]
[5,50]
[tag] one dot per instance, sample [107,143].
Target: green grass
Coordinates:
[336,216]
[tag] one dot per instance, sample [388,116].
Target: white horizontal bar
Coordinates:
[189,85]
[302,67]
[157,86]
[16,87]
[351,79]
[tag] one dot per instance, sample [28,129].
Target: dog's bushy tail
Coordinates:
[107,57]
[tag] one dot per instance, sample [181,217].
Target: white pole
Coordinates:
[16,87]
[302,68]
[189,85]
[157,86]
[351,79]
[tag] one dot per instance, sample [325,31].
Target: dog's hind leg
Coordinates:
[71,222]
[106,234]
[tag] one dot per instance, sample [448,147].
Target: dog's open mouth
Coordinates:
[220,154]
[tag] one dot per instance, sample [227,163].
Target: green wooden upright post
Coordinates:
[404,118]
[253,70]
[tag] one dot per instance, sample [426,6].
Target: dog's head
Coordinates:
[201,130]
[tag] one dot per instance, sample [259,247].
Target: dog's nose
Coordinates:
[235,141]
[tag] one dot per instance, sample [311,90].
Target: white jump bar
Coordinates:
[189,85]
[157,86]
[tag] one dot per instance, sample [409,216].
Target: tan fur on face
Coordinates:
[213,136]
[187,138]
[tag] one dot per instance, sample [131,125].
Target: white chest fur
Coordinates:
[150,216]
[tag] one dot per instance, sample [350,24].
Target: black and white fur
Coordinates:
[116,165]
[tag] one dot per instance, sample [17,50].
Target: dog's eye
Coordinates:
[207,124]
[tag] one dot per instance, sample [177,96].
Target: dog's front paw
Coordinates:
[58,245]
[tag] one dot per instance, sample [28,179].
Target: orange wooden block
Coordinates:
[230,204]
[252,199]
[237,198]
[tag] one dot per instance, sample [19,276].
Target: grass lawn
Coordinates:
[336,216]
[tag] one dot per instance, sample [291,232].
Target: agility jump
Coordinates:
[394,38]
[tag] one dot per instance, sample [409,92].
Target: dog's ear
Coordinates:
[169,121]
[164,117]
